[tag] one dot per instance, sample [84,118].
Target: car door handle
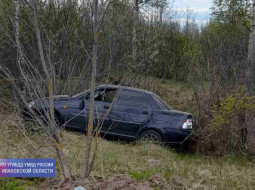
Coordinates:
[145,112]
[106,106]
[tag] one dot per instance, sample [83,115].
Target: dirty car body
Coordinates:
[123,112]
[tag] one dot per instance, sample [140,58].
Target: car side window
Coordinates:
[132,98]
[104,95]
[97,93]
[107,95]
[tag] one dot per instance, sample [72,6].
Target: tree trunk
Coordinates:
[86,169]
[66,183]
[53,129]
[250,78]
[161,11]
[17,33]
[134,47]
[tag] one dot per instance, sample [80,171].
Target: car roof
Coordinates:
[124,87]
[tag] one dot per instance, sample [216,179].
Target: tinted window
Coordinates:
[104,95]
[160,102]
[132,98]
[96,94]
[109,95]
[153,102]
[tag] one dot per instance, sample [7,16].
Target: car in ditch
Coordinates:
[121,111]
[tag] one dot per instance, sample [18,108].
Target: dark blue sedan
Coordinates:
[123,112]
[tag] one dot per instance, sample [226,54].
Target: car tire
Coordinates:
[151,136]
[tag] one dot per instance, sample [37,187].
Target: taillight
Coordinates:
[187,124]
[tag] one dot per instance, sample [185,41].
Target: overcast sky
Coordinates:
[200,8]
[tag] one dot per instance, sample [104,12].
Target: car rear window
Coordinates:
[156,102]
[161,102]
[152,102]
[132,98]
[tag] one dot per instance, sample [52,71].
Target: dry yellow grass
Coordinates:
[143,162]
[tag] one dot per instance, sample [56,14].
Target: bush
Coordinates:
[221,128]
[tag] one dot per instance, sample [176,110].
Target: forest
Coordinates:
[64,47]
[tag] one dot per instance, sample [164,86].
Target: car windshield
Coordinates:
[80,94]
[161,102]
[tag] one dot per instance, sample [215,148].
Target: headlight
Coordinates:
[187,124]
[31,104]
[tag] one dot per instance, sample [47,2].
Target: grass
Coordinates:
[146,163]
[12,183]
[178,95]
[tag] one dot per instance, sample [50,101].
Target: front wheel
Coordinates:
[151,136]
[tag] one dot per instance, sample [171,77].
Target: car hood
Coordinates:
[56,99]
[61,96]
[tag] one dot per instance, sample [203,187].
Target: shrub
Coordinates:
[221,128]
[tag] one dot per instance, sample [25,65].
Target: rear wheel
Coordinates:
[151,136]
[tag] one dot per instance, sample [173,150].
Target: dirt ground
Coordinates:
[121,182]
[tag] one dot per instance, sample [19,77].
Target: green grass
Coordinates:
[178,95]
[142,162]
[12,184]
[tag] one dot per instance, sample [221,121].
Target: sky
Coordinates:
[200,9]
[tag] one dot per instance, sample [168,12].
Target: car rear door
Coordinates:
[133,112]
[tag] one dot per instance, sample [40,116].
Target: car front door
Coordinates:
[133,112]
[108,108]
[78,117]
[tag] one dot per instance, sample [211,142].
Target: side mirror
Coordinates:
[82,105]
